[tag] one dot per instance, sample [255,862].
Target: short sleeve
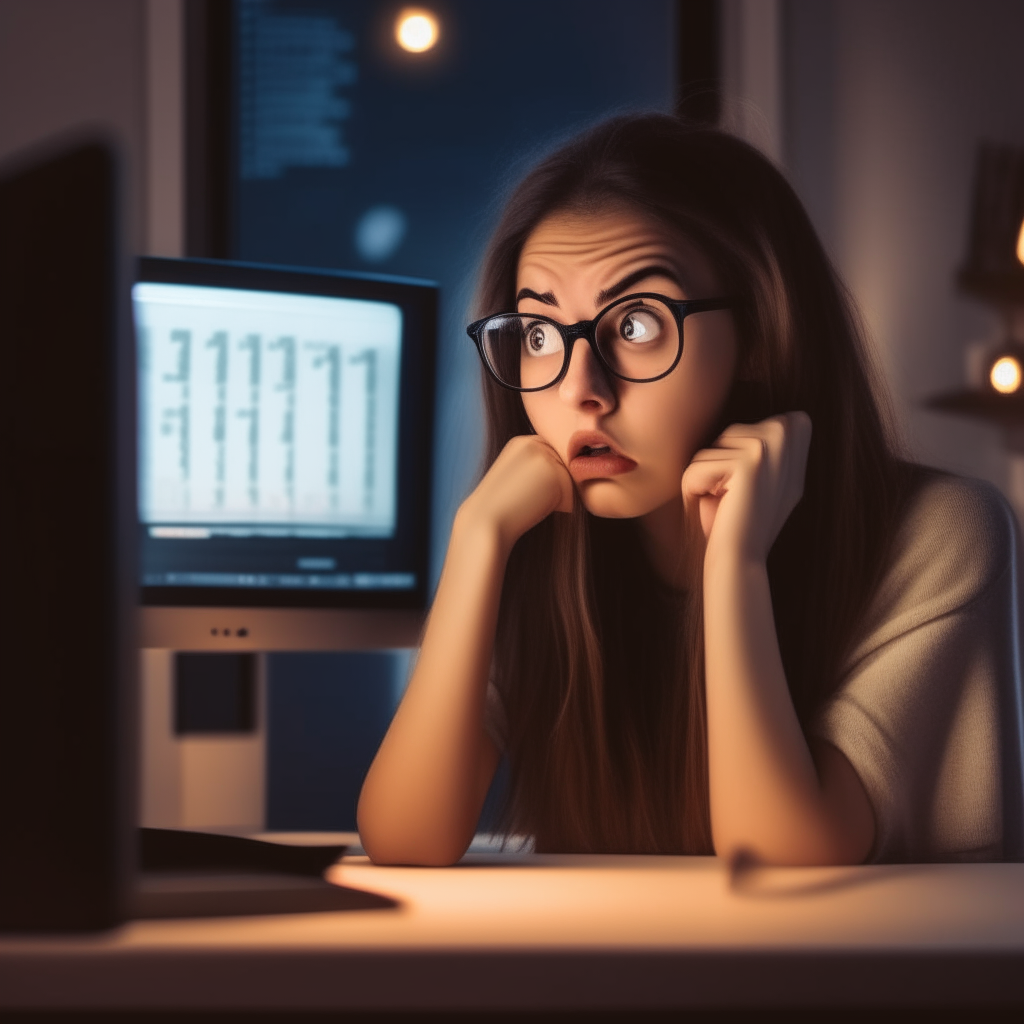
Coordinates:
[928,710]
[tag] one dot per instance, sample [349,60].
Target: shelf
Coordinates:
[1002,288]
[1004,410]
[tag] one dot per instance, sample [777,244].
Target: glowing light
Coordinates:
[1020,243]
[1006,375]
[379,232]
[416,30]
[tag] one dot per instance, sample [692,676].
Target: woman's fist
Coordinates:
[745,487]
[525,484]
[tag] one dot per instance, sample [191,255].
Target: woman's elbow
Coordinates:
[397,851]
[391,842]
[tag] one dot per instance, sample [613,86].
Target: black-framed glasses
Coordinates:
[638,338]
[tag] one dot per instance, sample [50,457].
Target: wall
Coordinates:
[65,64]
[885,102]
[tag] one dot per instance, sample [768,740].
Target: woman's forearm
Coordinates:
[768,795]
[425,789]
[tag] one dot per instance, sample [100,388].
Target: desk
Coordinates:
[529,932]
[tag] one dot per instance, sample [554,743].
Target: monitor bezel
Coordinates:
[418,300]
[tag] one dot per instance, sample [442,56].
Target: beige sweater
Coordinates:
[929,709]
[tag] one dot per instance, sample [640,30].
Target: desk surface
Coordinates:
[529,932]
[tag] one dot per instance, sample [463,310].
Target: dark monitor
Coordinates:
[285,424]
[69,657]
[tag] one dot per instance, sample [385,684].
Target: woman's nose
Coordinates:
[585,383]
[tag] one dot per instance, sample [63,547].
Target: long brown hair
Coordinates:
[599,664]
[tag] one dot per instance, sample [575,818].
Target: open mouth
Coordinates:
[594,457]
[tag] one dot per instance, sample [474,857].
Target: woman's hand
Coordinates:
[748,484]
[525,484]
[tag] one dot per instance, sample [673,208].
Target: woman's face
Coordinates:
[626,445]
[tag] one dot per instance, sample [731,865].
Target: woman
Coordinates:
[697,599]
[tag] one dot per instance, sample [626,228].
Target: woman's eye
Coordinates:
[639,326]
[541,339]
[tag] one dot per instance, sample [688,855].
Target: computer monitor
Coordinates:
[68,681]
[285,424]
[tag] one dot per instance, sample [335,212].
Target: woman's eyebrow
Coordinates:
[548,298]
[631,279]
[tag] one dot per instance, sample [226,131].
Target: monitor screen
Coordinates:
[284,436]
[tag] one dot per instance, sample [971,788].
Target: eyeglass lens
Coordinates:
[637,339]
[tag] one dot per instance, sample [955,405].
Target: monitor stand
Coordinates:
[214,781]
[217,781]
